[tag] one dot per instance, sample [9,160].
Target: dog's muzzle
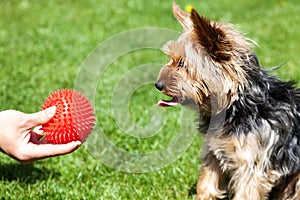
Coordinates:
[159,86]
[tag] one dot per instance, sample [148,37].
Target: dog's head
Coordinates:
[208,64]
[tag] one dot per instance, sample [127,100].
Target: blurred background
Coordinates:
[43,44]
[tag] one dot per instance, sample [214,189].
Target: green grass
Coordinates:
[43,44]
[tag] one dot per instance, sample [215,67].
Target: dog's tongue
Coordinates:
[165,103]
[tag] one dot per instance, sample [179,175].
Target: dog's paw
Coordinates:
[207,195]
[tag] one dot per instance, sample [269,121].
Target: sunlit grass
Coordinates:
[42,45]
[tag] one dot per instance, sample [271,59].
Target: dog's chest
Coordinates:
[233,151]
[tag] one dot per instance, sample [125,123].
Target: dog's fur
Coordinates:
[250,120]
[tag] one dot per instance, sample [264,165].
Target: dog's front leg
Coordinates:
[209,179]
[249,183]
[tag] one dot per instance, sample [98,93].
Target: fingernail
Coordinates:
[51,111]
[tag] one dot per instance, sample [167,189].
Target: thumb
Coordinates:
[41,117]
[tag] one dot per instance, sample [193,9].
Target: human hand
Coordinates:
[18,140]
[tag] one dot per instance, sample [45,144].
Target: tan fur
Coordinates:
[209,179]
[291,191]
[246,159]
[205,72]
[224,78]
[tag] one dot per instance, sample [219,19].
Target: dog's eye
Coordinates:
[180,63]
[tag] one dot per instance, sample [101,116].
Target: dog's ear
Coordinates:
[211,37]
[183,18]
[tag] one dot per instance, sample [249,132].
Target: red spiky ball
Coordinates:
[74,118]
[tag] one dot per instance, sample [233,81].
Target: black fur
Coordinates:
[280,187]
[267,98]
[251,122]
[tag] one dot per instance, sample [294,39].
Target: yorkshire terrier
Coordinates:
[250,119]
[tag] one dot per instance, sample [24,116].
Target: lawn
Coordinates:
[46,45]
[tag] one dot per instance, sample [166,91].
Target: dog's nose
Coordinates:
[159,86]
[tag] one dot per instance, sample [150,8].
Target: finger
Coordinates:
[41,117]
[41,151]
[37,130]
